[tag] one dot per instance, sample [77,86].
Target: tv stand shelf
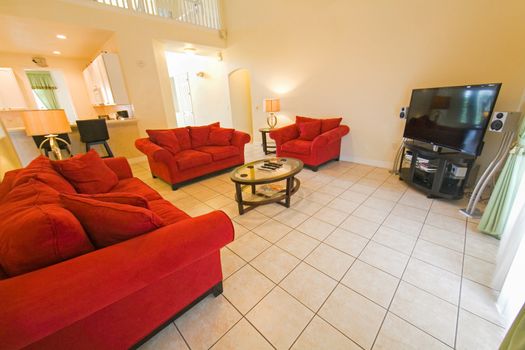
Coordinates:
[432,171]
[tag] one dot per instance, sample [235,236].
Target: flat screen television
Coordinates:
[454,117]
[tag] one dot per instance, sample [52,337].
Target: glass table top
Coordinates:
[266,170]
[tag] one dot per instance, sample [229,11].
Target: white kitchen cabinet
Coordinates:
[11,96]
[105,82]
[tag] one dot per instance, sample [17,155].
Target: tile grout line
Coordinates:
[460,286]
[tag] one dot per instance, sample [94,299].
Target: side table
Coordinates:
[268,149]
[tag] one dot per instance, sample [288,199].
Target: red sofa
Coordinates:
[109,298]
[314,141]
[182,154]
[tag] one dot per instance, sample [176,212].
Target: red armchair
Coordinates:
[314,150]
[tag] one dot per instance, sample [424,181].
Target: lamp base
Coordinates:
[53,144]
[271,120]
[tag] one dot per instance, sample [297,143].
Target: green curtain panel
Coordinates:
[515,338]
[502,199]
[44,87]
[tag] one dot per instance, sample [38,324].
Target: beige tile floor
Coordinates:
[359,261]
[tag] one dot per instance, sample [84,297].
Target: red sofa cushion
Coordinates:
[118,197]
[326,123]
[110,223]
[183,136]
[297,146]
[167,211]
[220,137]
[199,135]
[41,169]
[310,130]
[191,158]
[220,152]
[165,139]
[36,231]
[137,186]
[87,172]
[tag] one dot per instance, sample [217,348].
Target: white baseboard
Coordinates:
[371,162]
[136,160]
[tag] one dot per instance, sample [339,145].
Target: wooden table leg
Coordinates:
[289,184]
[253,189]
[264,143]
[238,195]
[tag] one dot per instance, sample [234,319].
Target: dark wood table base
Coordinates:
[292,186]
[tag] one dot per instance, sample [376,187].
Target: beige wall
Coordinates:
[71,70]
[361,59]
[241,100]
[137,41]
[8,158]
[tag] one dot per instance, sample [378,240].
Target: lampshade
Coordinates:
[272,105]
[45,122]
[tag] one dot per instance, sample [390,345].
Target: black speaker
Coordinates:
[403,112]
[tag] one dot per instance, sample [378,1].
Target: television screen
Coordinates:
[454,117]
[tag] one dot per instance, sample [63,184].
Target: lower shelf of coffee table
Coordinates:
[254,195]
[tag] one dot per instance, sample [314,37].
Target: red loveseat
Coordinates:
[182,154]
[109,298]
[314,141]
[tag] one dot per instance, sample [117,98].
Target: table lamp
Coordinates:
[48,122]
[272,105]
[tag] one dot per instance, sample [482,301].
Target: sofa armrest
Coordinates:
[153,151]
[39,303]
[330,136]
[284,134]
[239,139]
[120,166]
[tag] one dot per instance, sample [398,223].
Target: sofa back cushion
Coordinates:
[199,135]
[41,169]
[309,130]
[110,223]
[87,173]
[183,136]
[326,123]
[220,137]
[36,231]
[133,199]
[165,139]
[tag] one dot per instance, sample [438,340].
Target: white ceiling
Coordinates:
[26,35]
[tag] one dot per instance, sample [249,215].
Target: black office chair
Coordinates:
[47,147]
[94,132]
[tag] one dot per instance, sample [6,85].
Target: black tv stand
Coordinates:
[435,171]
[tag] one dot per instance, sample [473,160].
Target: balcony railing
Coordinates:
[203,13]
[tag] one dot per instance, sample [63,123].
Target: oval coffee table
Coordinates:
[266,181]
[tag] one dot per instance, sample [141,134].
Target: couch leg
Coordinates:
[153,176]
[217,289]
[336,159]
[315,168]
[174,187]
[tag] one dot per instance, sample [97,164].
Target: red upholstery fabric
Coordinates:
[113,297]
[165,139]
[326,123]
[120,166]
[36,232]
[199,135]
[87,172]
[117,197]
[41,169]
[191,158]
[7,183]
[183,135]
[154,151]
[220,152]
[297,146]
[310,130]
[323,148]
[136,186]
[110,223]
[167,212]
[220,137]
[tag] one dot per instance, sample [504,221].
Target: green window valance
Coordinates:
[41,80]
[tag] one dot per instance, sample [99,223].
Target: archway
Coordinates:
[241,100]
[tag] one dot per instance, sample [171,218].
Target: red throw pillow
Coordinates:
[199,135]
[220,137]
[329,124]
[215,125]
[310,130]
[299,119]
[42,170]
[87,172]
[110,223]
[165,139]
[133,199]
[183,136]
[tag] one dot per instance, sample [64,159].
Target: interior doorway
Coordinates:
[241,100]
[182,97]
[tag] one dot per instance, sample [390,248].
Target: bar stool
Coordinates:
[47,147]
[94,132]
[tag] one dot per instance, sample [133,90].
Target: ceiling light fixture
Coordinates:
[56,52]
[61,36]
